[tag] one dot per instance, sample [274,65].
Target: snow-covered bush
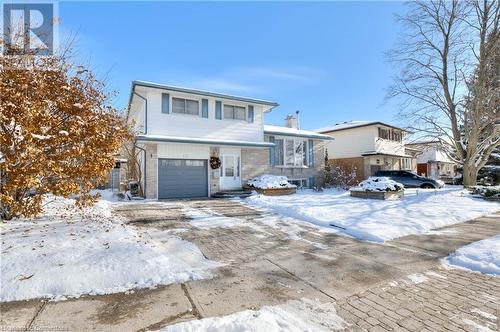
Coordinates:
[338,177]
[485,191]
[268,181]
[374,183]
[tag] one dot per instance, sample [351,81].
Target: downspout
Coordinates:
[145,112]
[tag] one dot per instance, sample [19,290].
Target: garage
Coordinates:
[182,178]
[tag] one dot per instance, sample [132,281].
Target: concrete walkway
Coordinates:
[397,286]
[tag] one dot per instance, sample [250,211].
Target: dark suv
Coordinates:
[411,180]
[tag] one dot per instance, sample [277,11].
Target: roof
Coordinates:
[353,124]
[287,131]
[203,93]
[375,153]
[177,139]
[423,142]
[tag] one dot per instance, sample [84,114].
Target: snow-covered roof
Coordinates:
[353,124]
[177,139]
[287,131]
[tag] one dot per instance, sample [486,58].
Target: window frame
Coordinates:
[185,108]
[392,135]
[281,153]
[233,106]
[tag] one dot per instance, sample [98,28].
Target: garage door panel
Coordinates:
[180,178]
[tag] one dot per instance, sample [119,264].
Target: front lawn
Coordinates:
[66,254]
[417,212]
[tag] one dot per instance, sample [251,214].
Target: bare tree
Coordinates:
[134,171]
[443,44]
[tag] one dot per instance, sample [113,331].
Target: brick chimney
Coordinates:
[291,122]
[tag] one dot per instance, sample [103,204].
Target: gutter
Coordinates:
[145,138]
[328,138]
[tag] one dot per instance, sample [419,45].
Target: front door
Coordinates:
[230,177]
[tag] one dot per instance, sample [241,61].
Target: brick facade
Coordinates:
[346,164]
[255,162]
[151,170]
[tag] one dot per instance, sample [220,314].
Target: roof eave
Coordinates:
[328,138]
[364,125]
[205,93]
[143,138]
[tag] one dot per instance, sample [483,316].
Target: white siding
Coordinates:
[136,115]
[196,126]
[183,151]
[352,142]
[389,147]
[432,153]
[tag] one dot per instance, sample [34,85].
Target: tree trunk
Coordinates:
[470,175]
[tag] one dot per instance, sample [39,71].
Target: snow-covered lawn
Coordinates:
[482,256]
[304,315]
[66,254]
[417,212]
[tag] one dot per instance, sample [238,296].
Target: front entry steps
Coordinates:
[232,194]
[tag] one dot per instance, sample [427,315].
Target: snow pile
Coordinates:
[268,181]
[482,256]
[107,195]
[303,315]
[376,220]
[68,253]
[374,183]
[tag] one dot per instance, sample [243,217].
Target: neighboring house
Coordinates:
[432,161]
[369,146]
[184,131]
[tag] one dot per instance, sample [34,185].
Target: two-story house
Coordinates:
[368,146]
[197,143]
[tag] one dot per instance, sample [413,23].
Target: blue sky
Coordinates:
[325,59]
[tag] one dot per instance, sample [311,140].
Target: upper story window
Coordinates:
[185,106]
[290,152]
[390,134]
[234,112]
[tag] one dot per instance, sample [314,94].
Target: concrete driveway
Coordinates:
[400,285]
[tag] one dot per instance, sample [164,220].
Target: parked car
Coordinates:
[411,180]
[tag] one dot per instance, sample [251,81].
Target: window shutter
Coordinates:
[250,113]
[311,152]
[204,108]
[165,103]
[272,151]
[218,110]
